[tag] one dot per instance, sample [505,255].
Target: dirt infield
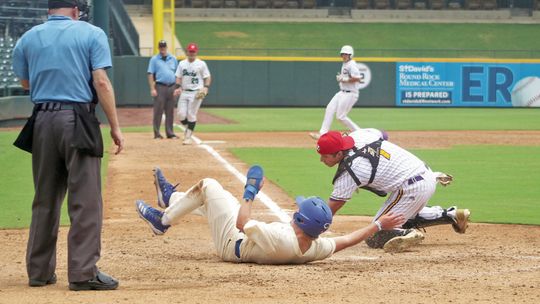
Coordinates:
[490,263]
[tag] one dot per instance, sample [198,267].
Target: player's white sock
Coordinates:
[431,213]
[180,205]
[188,134]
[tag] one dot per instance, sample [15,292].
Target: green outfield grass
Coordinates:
[305,119]
[16,186]
[423,40]
[498,184]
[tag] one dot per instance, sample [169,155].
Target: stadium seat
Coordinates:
[436,4]
[262,3]
[381,4]
[420,4]
[199,3]
[362,4]
[473,4]
[245,3]
[215,3]
[230,4]
[278,3]
[489,4]
[454,4]
[292,4]
[309,3]
[179,3]
[403,4]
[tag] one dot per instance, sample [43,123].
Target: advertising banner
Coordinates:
[458,84]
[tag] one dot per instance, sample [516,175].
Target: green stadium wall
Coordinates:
[15,107]
[257,83]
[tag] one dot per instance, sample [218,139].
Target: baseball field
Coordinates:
[494,155]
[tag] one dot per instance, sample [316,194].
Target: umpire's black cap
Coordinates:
[62,3]
[162,43]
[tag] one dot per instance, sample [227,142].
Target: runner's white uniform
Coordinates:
[342,103]
[262,243]
[408,180]
[192,75]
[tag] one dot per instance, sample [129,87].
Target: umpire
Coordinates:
[162,81]
[62,62]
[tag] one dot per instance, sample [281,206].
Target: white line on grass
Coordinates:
[265,199]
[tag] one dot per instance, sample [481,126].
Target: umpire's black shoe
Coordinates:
[102,281]
[39,283]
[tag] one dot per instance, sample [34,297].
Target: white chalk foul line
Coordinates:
[265,199]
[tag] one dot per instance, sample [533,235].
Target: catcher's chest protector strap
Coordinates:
[372,153]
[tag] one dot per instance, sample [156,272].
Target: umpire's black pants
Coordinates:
[58,167]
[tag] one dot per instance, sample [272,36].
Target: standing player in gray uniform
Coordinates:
[62,61]
[239,238]
[341,104]
[193,80]
[367,160]
[162,82]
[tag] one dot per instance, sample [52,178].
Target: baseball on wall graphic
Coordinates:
[526,92]
[456,84]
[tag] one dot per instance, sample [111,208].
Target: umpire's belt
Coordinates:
[58,106]
[414,179]
[237,248]
[165,84]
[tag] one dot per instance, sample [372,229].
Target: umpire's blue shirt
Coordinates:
[58,57]
[163,68]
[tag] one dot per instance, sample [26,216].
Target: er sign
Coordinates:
[456,84]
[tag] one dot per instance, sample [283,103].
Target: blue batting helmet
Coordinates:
[313,215]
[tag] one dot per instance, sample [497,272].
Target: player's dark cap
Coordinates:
[62,3]
[333,142]
[162,43]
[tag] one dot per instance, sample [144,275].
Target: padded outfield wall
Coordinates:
[262,82]
[310,82]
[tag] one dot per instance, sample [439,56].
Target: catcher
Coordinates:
[366,160]
[192,82]
[239,238]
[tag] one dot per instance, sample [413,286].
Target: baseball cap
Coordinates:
[333,142]
[62,3]
[162,43]
[192,47]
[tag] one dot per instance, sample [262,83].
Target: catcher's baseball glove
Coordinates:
[200,95]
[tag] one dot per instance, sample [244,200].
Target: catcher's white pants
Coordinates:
[340,105]
[208,198]
[411,200]
[188,106]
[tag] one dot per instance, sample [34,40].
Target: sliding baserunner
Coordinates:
[239,238]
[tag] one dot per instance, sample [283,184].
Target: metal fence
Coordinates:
[407,53]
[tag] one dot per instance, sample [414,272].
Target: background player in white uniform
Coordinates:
[367,160]
[193,80]
[238,238]
[342,103]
